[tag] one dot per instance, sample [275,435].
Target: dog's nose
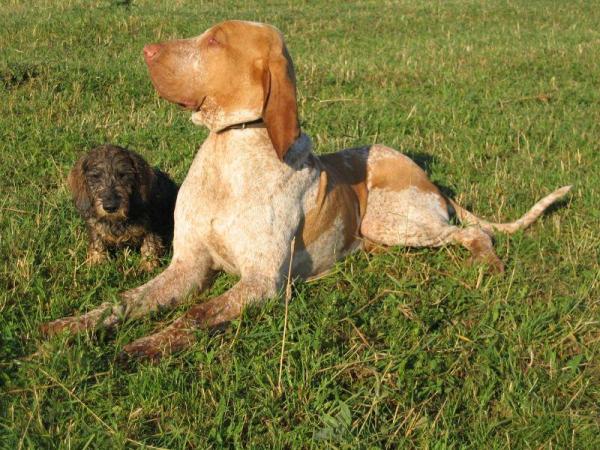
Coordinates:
[150,51]
[110,206]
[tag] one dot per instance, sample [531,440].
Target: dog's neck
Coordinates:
[258,123]
[296,155]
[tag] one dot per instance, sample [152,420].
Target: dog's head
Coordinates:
[109,182]
[235,72]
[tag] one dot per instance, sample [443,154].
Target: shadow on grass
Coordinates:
[426,161]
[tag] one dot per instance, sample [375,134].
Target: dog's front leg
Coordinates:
[188,272]
[217,311]
[97,251]
[151,250]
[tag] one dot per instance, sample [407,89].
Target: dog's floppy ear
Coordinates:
[280,112]
[144,176]
[78,187]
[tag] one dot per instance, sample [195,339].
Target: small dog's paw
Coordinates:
[149,264]
[95,258]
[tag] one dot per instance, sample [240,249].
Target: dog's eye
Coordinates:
[94,175]
[212,42]
[124,174]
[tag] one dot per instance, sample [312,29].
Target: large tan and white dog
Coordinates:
[255,187]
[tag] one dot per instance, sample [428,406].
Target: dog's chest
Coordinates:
[236,198]
[118,234]
[224,183]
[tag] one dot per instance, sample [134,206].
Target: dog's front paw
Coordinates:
[141,350]
[156,346]
[71,325]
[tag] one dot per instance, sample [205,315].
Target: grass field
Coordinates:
[499,100]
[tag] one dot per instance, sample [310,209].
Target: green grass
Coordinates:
[500,100]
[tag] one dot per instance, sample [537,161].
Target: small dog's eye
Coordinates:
[212,42]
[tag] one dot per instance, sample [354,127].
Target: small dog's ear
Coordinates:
[78,187]
[144,176]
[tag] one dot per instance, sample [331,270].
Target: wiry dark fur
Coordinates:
[124,202]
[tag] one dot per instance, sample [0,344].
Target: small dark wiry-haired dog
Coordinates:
[124,202]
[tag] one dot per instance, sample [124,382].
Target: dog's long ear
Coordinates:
[280,112]
[78,187]
[145,177]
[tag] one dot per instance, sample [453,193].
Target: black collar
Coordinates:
[258,123]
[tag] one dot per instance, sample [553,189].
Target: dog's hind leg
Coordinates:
[436,233]
[419,219]
[479,243]
[186,273]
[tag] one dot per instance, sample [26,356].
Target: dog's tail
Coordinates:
[527,219]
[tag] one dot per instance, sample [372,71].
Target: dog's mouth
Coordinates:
[187,105]
[193,106]
[117,215]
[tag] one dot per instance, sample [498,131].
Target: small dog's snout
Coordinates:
[110,205]
[150,51]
